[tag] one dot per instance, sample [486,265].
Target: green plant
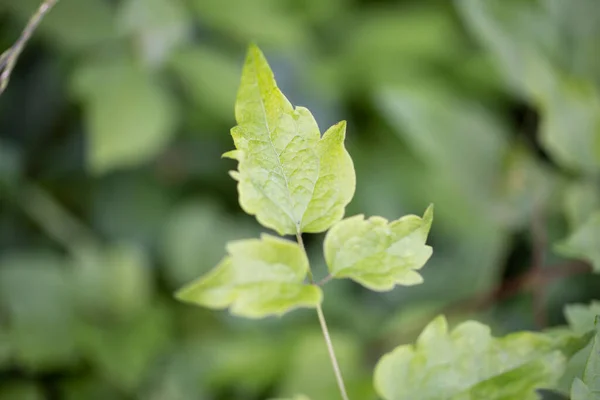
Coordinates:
[295,181]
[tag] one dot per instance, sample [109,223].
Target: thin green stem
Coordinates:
[326,336]
[301,243]
[9,58]
[334,363]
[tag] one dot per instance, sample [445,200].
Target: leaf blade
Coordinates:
[259,277]
[468,363]
[287,174]
[378,254]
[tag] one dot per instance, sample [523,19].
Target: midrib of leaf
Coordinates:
[264,111]
[295,221]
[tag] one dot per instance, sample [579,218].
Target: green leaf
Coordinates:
[288,176]
[194,236]
[259,277]
[124,353]
[379,254]
[589,387]
[468,363]
[581,316]
[527,46]
[74,26]
[584,243]
[129,117]
[581,199]
[37,306]
[158,26]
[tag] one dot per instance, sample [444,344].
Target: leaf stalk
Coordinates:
[325,330]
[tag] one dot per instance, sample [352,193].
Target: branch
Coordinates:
[9,58]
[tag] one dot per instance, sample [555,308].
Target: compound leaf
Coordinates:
[259,277]
[584,242]
[469,364]
[589,387]
[288,176]
[379,254]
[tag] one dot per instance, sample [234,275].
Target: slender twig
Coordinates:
[9,58]
[323,323]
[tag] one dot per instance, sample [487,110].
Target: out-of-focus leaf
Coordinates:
[288,176]
[234,359]
[298,397]
[581,316]
[73,24]
[527,187]
[137,205]
[303,377]
[527,50]
[194,237]
[581,199]
[124,353]
[259,277]
[439,126]
[378,254]
[468,363]
[158,26]
[264,21]
[584,243]
[209,77]
[113,282]
[35,294]
[129,116]
[570,129]
[588,388]
[386,46]
[581,320]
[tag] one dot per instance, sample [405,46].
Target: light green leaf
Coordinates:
[584,243]
[378,254]
[259,277]
[581,316]
[129,117]
[209,77]
[288,176]
[469,364]
[157,26]
[589,387]
[529,48]
[581,199]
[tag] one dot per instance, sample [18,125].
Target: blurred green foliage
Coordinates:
[113,193]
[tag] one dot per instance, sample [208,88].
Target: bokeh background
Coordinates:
[113,193]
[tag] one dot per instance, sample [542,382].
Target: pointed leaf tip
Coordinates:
[290,178]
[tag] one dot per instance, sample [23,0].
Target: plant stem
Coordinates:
[326,336]
[301,243]
[334,363]
[9,58]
